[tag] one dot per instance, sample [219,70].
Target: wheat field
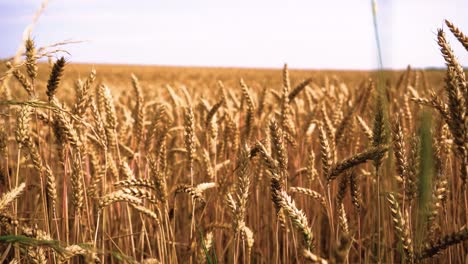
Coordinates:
[121,164]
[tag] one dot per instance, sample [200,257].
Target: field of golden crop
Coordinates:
[112,164]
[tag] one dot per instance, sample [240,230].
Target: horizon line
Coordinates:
[290,67]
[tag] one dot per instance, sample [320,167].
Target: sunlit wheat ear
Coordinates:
[10,196]
[160,116]
[118,196]
[189,135]
[83,97]
[54,78]
[127,171]
[401,227]
[449,56]
[250,110]
[147,212]
[34,155]
[138,111]
[64,129]
[276,135]
[248,236]
[411,183]
[408,115]
[31,59]
[378,131]
[325,152]
[36,255]
[328,126]
[342,218]
[457,93]
[440,183]
[159,179]
[311,171]
[455,87]
[99,125]
[239,203]
[313,194]
[365,128]
[136,183]
[297,217]
[207,164]
[196,192]
[286,123]
[77,184]
[109,107]
[21,78]
[141,193]
[458,34]
[286,80]
[79,250]
[51,189]
[399,150]
[22,125]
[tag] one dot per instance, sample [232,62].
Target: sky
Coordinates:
[309,34]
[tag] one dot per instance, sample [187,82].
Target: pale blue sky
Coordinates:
[304,33]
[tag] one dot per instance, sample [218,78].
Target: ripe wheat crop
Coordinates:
[232,166]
